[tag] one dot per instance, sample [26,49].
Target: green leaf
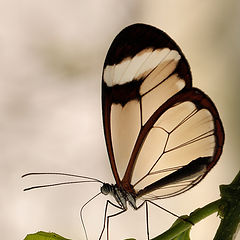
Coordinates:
[44,236]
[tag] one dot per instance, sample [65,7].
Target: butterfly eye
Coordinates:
[106,189]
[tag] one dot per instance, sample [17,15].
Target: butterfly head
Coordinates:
[106,189]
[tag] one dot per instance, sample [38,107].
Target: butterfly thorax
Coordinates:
[120,195]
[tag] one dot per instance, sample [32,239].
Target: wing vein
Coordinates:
[158,74]
[193,140]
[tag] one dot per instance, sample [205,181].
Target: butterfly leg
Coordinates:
[81,214]
[147,220]
[113,215]
[107,217]
[175,215]
[147,223]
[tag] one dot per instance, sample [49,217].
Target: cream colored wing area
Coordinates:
[151,150]
[125,126]
[196,128]
[180,112]
[182,134]
[157,96]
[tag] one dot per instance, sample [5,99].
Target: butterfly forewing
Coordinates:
[155,123]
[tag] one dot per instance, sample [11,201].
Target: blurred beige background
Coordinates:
[51,57]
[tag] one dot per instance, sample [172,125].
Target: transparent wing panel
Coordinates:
[181,135]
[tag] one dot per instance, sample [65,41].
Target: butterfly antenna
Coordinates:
[81,213]
[87,179]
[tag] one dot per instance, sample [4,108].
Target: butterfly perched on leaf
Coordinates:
[162,134]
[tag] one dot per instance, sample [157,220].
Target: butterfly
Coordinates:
[162,135]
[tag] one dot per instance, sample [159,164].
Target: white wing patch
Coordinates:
[140,66]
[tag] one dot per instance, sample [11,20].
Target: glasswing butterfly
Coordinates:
[162,135]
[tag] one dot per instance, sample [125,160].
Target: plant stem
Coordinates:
[194,217]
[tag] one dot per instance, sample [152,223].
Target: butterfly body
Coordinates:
[120,195]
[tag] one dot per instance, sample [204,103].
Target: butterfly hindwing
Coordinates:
[191,143]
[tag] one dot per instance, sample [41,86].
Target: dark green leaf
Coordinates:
[44,236]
